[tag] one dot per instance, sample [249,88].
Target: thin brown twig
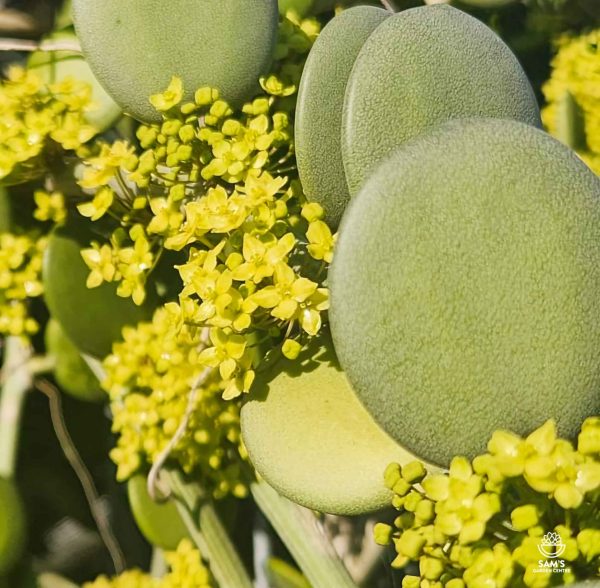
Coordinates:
[85,478]
[153,482]
[388,5]
[7,44]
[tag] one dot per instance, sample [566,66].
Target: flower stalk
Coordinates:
[299,529]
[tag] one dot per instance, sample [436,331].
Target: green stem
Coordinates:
[16,383]
[299,529]
[158,564]
[208,532]
[41,364]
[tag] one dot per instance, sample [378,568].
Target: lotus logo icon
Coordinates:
[552,545]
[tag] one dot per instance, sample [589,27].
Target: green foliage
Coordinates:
[320,106]
[282,575]
[193,231]
[465,283]
[438,64]
[220,185]
[310,438]
[160,523]
[202,42]
[71,371]
[490,521]
[12,526]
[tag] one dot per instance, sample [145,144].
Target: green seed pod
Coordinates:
[12,526]
[309,437]
[465,289]
[422,67]
[159,523]
[320,105]
[134,47]
[54,66]
[91,318]
[71,371]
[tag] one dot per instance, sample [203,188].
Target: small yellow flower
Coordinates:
[72,132]
[321,241]
[170,97]
[167,216]
[50,206]
[261,256]
[101,260]
[103,167]
[286,294]
[99,205]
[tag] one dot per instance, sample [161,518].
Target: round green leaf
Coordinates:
[12,525]
[465,288]
[309,437]
[91,318]
[422,67]
[135,47]
[160,523]
[320,105]
[71,371]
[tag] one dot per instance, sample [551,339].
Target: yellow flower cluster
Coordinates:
[34,117]
[205,170]
[247,285]
[483,523]
[20,280]
[186,570]
[573,95]
[221,187]
[128,265]
[128,579]
[149,377]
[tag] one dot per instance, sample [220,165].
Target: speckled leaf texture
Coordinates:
[465,288]
[422,67]
[135,46]
[311,439]
[320,105]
